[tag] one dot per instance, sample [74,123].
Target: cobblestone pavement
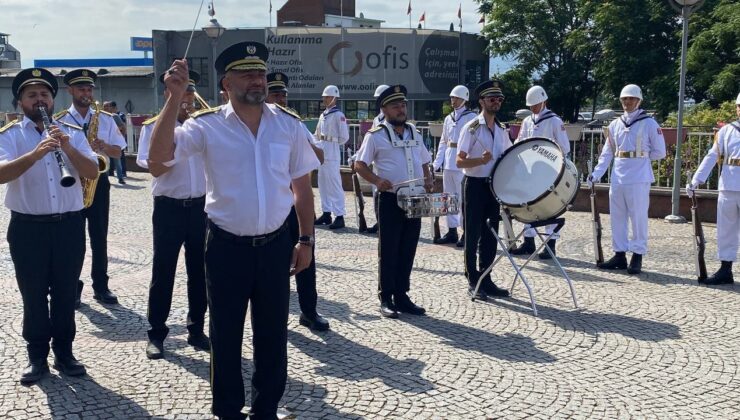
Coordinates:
[649,346]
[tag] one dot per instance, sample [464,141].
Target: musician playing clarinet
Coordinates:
[46,231]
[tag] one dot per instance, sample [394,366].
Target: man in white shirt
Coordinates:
[46,233]
[331,134]
[178,220]
[542,123]
[452,176]
[482,141]
[400,161]
[726,150]
[257,165]
[108,142]
[633,140]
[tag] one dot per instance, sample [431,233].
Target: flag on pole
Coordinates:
[408,12]
[423,18]
[270,6]
[459,12]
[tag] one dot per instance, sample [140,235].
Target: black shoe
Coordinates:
[544,255]
[635,264]
[338,223]
[527,247]
[122,182]
[200,341]
[325,219]
[155,350]
[404,304]
[373,229]
[493,290]
[722,276]
[78,299]
[315,322]
[481,295]
[617,262]
[387,309]
[69,366]
[449,238]
[106,296]
[461,242]
[34,372]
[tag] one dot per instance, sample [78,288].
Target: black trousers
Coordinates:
[479,207]
[398,237]
[48,259]
[97,228]
[237,273]
[306,279]
[177,223]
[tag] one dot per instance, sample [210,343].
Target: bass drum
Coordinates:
[534,180]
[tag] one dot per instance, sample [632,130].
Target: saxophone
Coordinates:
[88,185]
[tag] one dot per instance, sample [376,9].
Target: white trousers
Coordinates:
[330,188]
[452,183]
[728,225]
[629,202]
[532,232]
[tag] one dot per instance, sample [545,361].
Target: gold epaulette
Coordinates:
[376,129]
[76,127]
[205,112]
[110,114]
[150,120]
[288,111]
[474,125]
[7,126]
[60,114]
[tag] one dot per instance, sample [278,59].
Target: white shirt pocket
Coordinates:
[280,157]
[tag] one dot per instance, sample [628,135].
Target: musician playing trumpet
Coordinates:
[46,232]
[107,141]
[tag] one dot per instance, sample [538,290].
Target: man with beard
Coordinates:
[277,93]
[254,153]
[482,141]
[332,133]
[178,220]
[633,141]
[108,141]
[397,152]
[46,233]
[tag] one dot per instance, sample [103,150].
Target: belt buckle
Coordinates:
[258,240]
[187,202]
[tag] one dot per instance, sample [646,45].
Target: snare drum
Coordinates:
[534,180]
[429,205]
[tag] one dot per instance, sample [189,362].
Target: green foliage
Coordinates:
[703,115]
[516,84]
[446,110]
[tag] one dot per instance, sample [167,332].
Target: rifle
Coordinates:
[436,234]
[699,242]
[359,201]
[596,222]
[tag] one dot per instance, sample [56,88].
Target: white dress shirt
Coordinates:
[107,128]
[624,134]
[247,178]
[184,179]
[37,191]
[481,139]
[726,145]
[331,132]
[389,162]
[548,125]
[453,125]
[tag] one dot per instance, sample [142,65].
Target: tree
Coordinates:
[516,84]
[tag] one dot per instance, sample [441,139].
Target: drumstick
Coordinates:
[410,181]
[192,32]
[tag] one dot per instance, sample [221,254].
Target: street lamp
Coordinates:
[213,30]
[686,7]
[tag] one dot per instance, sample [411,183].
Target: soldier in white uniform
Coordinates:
[542,123]
[452,176]
[726,151]
[380,118]
[332,132]
[634,140]
[396,150]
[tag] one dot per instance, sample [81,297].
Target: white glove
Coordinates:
[690,189]
[590,181]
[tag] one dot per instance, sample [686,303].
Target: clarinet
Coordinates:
[67,179]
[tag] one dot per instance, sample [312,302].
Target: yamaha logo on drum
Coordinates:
[544,152]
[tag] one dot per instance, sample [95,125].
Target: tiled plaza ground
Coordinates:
[650,346]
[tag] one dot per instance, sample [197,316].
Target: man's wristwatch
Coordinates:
[306,240]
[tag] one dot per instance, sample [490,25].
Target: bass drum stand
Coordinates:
[504,246]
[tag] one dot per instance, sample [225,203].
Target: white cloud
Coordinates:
[94,29]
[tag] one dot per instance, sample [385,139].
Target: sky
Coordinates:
[44,29]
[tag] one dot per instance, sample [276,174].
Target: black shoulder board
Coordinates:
[106,113]
[150,120]
[205,112]
[60,114]
[288,111]
[376,129]
[76,127]
[7,126]
[474,125]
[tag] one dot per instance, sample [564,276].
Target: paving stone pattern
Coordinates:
[650,346]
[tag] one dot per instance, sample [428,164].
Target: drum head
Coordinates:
[526,171]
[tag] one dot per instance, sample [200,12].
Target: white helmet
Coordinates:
[737,101]
[631,91]
[331,90]
[536,95]
[461,92]
[380,89]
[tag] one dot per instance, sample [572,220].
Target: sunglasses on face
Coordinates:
[494,99]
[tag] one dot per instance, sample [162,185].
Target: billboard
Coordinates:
[141,44]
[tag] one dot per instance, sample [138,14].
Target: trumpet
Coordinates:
[67,179]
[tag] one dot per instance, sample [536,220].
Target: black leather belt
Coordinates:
[255,241]
[42,218]
[181,202]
